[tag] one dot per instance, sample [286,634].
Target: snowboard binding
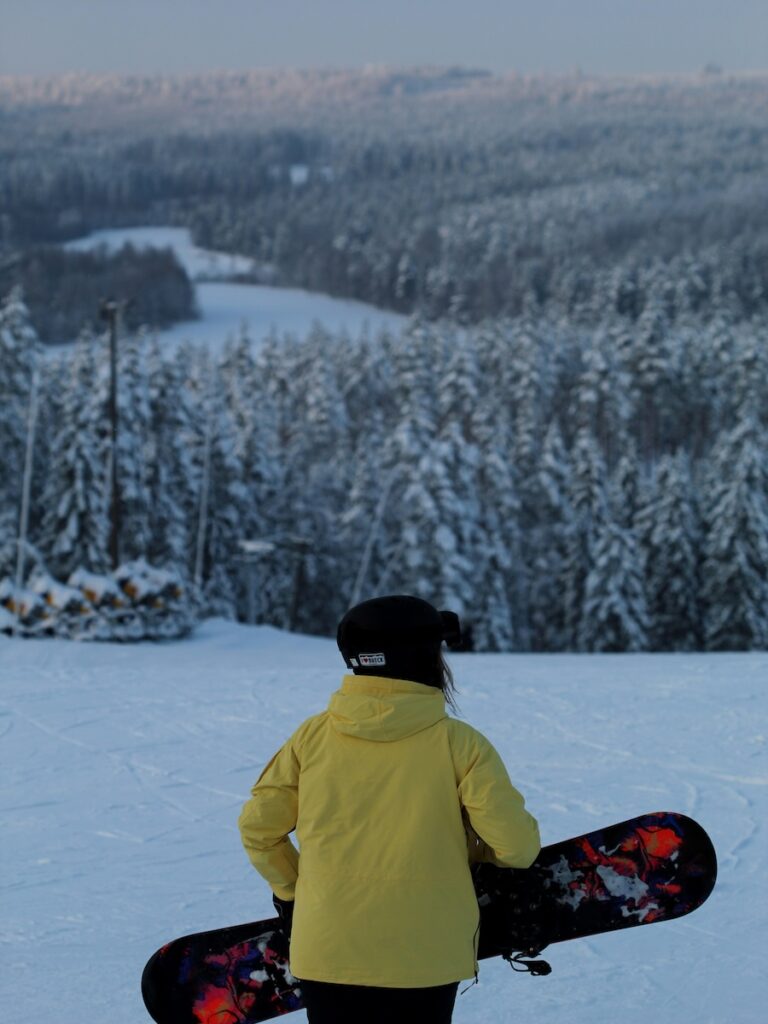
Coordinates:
[539,968]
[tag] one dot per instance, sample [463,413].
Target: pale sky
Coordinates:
[598,36]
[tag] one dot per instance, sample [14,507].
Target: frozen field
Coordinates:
[226,308]
[124,768]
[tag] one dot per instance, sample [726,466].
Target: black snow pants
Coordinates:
[327,1003]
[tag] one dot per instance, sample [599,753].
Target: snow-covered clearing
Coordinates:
[124,768]
[227,308]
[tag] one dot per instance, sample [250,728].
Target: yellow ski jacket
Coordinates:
[390,800]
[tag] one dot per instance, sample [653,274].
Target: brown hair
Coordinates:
[445,682]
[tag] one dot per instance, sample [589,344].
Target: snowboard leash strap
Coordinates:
[474,946]
[521,966]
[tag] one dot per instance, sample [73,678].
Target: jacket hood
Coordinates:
[377,708]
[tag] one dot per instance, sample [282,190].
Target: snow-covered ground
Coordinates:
[199,263]
[226,308]
[124,768]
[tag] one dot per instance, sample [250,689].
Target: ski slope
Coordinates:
[124,768]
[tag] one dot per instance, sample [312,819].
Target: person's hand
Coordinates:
[284,910]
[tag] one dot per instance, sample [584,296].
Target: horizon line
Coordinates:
[710,70]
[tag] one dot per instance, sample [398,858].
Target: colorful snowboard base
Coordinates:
[653,868]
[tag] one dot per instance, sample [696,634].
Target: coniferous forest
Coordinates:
[564,489]
[567,444]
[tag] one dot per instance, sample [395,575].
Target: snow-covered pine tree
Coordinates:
[361,526]
[529,348]
[615,586]
[592,391]
[492,347]
[133,446]
[54,371]
[412,435]
[318,473]
[692,360]
[551,538]
[460,391]
[616,390]
[650,373]
[735,569]
[670,536]
[473,406]
[615,612]
[526,399]
[19,349]
[747,380]
[628,485]
[438,523]
[221,490]
[170,462]
[75,530]
[720,345]
[500,601]
[254,412]
[276,419]
[624,293]
[692,286]
[588,501]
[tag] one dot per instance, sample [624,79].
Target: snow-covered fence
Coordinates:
[136,602]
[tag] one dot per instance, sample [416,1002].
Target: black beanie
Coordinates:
[398,637]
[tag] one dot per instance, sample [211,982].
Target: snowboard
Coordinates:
[656,867]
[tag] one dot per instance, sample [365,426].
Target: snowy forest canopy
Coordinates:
[567,445]
[447,193]
[562,488]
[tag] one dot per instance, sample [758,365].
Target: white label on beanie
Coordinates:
[367,660]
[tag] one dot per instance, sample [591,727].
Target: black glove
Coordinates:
[284,910]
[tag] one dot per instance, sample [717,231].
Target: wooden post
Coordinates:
[110,311]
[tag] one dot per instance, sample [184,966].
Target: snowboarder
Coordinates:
[391,801]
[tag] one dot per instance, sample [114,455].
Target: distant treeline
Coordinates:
[64,289]
[450,194]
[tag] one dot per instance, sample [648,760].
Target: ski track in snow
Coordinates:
[124,769]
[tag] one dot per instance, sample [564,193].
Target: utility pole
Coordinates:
[110,311]
[205,489]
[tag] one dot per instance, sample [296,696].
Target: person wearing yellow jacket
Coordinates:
[391,800]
